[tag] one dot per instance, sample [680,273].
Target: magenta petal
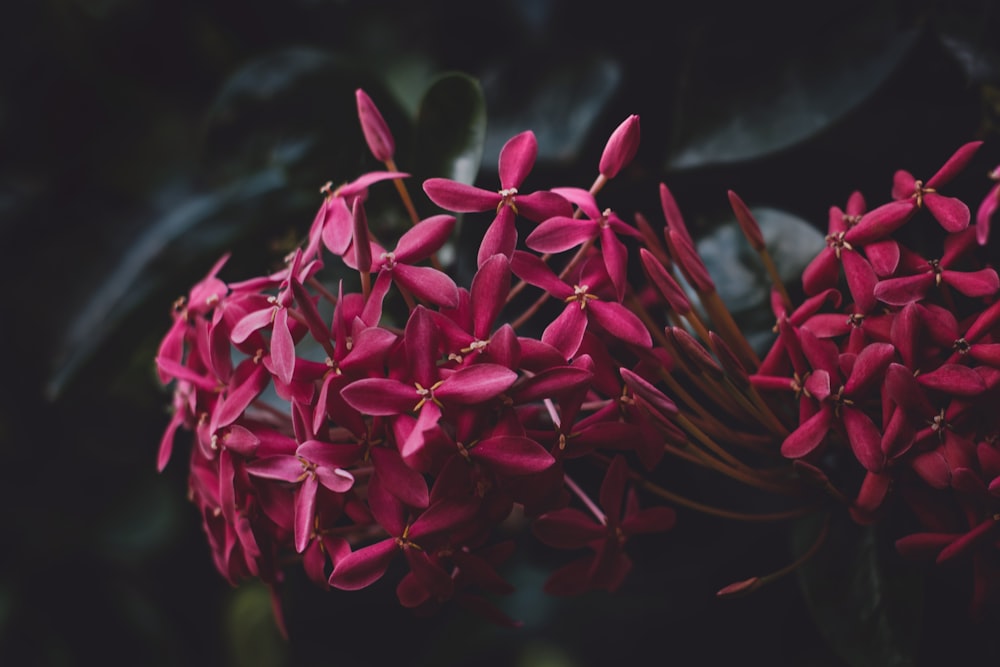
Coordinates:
[454,196]
[967,542]
[881,222]
[335,479]
[512,455]
[904,290]
[933,469]
[567,528]
[951,212]
[443,516]
[240,397]
[281,468]
[552,382]
[363,567]
[414,441]
[865,439]
[500,237]
[808,436]
[488,292]
[861,280]
[615,260]
[338,229]
[983,282]
[250,323]
[621,322]
[561,233]
[398,478]
[534,271]
[305,511]
[565,333]
[474,384]
[427,283]
[424,238]
[282,347]
[954,379]
[517,157]
[380,396]
[954,165]
[822,272]
[903,185]
[883,256]
[542,205]
[172,370]
[167,442]
[869,367]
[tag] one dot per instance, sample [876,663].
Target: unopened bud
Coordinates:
[739,588]
[377,133]
[747,222]
[621,147]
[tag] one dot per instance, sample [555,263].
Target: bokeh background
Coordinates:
[140,139]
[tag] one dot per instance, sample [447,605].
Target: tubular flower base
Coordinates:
[345,425]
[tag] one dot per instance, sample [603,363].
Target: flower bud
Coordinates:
[621,147]
[377,133]
[747,222]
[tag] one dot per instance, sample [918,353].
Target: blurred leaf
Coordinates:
[868,610]
[451,127]
[156,257]
[561,103]
[739,275]
[970,39]
[295,108]
[743,100]
[254,640]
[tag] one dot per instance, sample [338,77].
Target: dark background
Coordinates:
[139,139]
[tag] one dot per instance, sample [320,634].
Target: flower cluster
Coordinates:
[357,410]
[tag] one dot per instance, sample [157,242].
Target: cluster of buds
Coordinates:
[392,418]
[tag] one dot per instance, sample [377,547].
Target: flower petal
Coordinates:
[459,197]
[517,157]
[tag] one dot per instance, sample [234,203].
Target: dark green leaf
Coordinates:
[191,226]
[561,103]
[451,127]
[745,98]
[864,599]
[739,275]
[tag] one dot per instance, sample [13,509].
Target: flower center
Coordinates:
[507,199]
[837,242]
[580,294]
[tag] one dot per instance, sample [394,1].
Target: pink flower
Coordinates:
[570,528]
[517,157]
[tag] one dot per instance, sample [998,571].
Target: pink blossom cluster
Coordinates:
[895,356]
[397,418]
[388,417]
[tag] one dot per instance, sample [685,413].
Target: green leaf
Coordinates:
[252,634]
[864,599]
[562,103]
[451,128]
[740,277]
[191,227]
[743,98]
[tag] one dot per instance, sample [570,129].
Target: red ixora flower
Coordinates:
[517,157]
[603,532]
